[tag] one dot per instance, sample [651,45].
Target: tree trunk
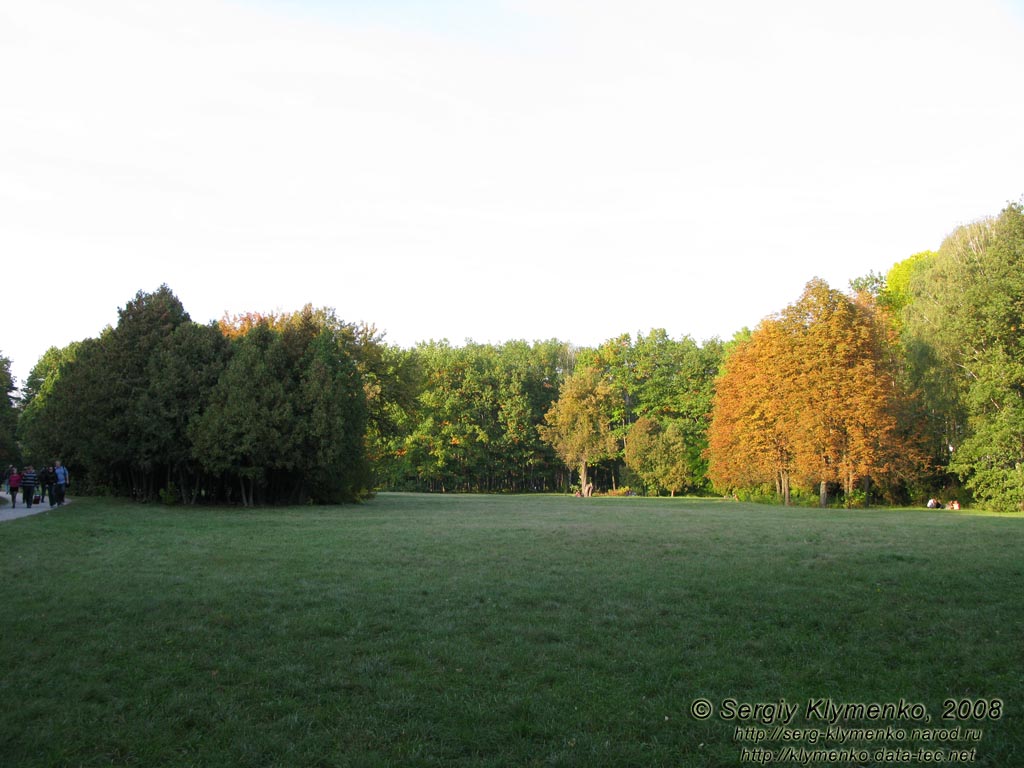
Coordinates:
[586,489]
[823,494]
[782,486]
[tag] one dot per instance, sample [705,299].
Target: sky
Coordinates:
[489,170]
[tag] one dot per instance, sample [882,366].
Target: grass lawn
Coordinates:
[420,630]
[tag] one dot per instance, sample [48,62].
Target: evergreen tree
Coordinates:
[8,415]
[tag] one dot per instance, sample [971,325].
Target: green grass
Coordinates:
[440,630]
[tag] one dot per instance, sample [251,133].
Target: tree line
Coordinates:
[908,384]
[486,417]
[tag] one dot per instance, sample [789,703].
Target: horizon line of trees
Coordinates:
[907,386]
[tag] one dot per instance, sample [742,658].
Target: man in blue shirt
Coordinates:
[61,473]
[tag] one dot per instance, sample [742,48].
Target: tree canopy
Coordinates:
[578,425]
[813,397]
[8,414]
[159,406]
[963,322]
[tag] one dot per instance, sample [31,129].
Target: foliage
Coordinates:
[183,371]
[965,321]
[74,419]
[247,429]
[847,398]
[873,284]
[659,454]
[898,281]
[669,381]
[907,387]
[169,495]
[287,416]
[749,442]
[813,397]
[473,425]
[331,405]
[8,415]
[159,406]
[476,421]
[578,425]
[41,437]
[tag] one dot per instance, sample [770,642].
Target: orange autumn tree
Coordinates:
[813,396]
[748,440]
[845,412]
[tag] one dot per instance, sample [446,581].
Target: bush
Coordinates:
[856,499]
[169,495]
[622,490]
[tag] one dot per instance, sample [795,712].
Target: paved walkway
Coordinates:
[6,513]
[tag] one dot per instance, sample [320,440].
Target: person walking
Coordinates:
[13,484]
[61,476]
[28,484]
[47,481]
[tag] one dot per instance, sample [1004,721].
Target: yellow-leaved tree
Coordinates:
[578,425]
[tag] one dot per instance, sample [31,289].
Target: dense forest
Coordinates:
[907,385]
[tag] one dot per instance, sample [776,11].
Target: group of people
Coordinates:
[49,482]
[936,504]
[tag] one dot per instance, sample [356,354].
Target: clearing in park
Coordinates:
[439,630]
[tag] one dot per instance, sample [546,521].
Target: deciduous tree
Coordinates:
[659,454]
[750,441]
[964,319]
[813,397]
[579,424]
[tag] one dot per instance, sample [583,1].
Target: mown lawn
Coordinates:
[440,630]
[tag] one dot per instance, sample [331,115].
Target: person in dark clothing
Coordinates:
[29,480]
[47,479]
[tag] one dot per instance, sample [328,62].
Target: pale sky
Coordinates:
[489,170]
